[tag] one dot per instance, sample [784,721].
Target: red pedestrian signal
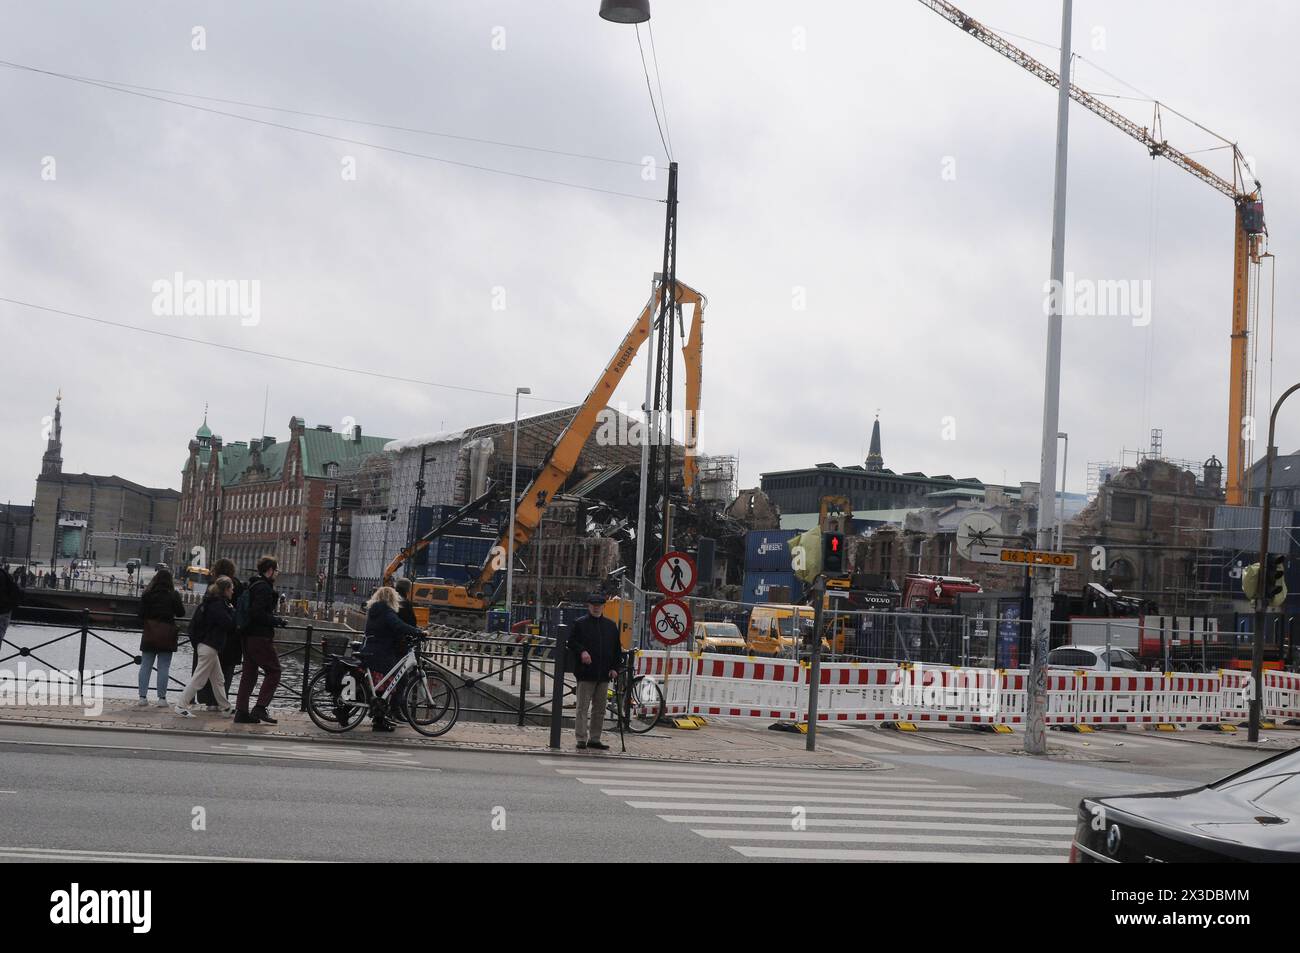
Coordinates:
[832,553]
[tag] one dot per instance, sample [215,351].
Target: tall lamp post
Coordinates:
[510,539]
[1261,590]
[1036,727]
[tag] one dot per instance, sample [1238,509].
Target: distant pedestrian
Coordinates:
[10,596]
[233,652]
[383,645]
[405,612]
[212,625]
[598,648]
[255,609]
[160,607]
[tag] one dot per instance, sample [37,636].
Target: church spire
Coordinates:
[875,461]
[52,461]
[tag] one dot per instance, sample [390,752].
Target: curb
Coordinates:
[480,747]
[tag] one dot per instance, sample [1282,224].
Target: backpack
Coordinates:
[195,630]
[334,676]
[243,608]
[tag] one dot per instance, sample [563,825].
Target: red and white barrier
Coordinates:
[1281,695]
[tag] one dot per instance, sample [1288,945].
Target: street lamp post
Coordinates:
[1036,728]
[510,538]
[1261,590]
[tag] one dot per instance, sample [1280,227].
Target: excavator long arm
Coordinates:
[492,494]
[563,455]
[693,357]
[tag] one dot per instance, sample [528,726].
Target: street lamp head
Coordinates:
[523,390]
[625,11]
[1062,435]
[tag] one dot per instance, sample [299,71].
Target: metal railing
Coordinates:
[482,662]
[112,634]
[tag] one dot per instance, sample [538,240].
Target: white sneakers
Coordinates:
[161,703]
[183,712]
[142,703]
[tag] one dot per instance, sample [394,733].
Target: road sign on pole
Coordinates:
[670,621]
[1023,557]
[675,574]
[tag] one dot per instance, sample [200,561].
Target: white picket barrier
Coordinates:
[859,691]
[956,696]
[1281,695]
[1147,698]
[1234,694]
[731,686]
[674,671]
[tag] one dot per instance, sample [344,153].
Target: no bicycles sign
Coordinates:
[670,621]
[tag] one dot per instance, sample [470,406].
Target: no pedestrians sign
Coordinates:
[675,574]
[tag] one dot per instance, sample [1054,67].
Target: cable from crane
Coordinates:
[650,89]
[1153,248]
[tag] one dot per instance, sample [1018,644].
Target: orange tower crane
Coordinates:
[1248,223]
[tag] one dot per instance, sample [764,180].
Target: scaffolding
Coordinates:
[717,478]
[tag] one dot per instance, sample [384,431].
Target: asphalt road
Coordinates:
[77,794]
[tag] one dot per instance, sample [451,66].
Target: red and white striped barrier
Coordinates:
[1281,695]
[728,686]
[1234,695]
[859,691]
[960,696]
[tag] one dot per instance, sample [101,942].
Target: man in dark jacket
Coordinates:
[10,596]
[259,647]
[599,652]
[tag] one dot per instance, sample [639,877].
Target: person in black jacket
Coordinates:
[384,644]
[596,645]
[160,607]
[10,596]
[259,647]
[233,653]
[211,627]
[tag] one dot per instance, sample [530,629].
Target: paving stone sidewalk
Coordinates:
[715,743]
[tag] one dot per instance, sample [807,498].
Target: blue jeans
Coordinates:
[147,659]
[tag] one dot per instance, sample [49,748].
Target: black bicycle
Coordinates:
[635,701]
[343,693]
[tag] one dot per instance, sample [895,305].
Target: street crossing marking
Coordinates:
[129,857]
[803,814]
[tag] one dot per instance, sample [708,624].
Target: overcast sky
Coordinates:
[813,140]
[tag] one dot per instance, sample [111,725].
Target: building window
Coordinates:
[1123,509]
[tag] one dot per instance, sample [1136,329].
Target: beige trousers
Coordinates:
[589,719]
[207,670]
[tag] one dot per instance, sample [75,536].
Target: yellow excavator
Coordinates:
[467,605]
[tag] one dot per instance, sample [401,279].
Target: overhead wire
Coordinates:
[315,115]
[323,365]
[650,89]
[659,81]
[344,139]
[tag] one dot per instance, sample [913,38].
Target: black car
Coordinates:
[1252,816]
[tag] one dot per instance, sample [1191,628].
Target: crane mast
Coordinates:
[1248,221]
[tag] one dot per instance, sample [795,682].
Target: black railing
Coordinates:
[482,663]
[298,645]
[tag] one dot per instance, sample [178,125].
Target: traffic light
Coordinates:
[1275,581]
[832,553]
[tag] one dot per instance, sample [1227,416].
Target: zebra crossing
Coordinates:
[813,814]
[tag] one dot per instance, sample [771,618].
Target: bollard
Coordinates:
[557,685]
[306,667]
[523,685]
[81,657]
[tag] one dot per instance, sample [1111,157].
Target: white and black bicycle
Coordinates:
[343,694]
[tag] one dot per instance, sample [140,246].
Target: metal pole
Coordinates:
[815,668]
[557,684]
[1261,590]
[1036,730]
[510,539]
[334,536]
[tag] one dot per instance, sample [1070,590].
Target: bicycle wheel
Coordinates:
[335,713]
[643,705]
[432,705]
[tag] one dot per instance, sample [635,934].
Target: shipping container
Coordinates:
[758,586]
[768,550]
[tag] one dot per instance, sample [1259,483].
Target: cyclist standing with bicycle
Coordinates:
[383,645]
[599,652]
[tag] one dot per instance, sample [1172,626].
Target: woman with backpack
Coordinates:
[233,652]
[211,627]
[160,607]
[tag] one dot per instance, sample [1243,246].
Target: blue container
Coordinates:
[758,584]
[768,550]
